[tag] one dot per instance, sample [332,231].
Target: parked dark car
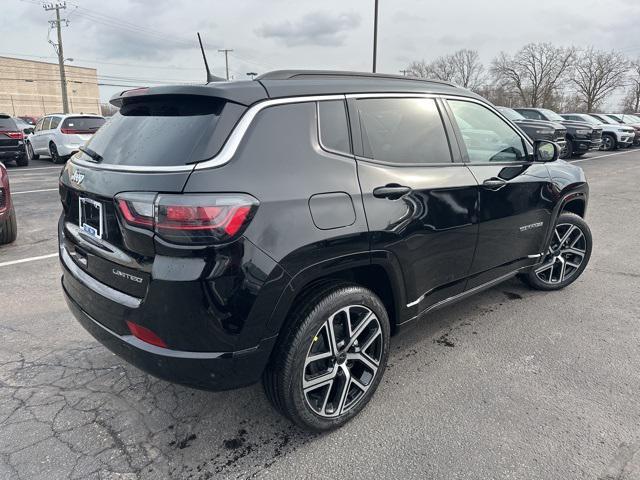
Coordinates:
[12,142]
[539,129]
[8,223]
[30,119]
[581,136]
[284,228]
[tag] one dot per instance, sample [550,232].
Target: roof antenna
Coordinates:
[210,77]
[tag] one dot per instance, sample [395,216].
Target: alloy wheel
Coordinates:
[55,158]
[566,254]
[29,151]
[607,143]
[342,361]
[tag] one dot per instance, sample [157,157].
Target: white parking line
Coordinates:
[35,191]
[30,259]
[602,156]
[22,170]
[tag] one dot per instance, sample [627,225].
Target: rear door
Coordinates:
[515,194]
[420,205]
[37,139]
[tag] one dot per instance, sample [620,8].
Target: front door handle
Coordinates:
[392,191]
[494,183]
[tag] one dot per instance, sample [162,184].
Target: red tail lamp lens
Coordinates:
[14,135]
[137,213]
[146,335]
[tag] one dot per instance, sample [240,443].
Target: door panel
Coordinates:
[432,230]
[514,193]
[420,206]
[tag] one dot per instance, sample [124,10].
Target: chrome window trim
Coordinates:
[228,150]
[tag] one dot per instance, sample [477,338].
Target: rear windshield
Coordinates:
[7,123]
[165,130]
[83,124]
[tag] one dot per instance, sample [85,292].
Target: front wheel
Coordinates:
[31,155]
[609,142]
[567,256]
[567,152]
[8,228]
[330,361]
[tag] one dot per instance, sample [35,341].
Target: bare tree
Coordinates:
[535,71]
[597,75]
[631,101]
[462,68]
[468,68]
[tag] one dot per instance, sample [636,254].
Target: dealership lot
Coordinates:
[509,384]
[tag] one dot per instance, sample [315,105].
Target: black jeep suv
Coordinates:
[12,142]
[581,136]
[284,228]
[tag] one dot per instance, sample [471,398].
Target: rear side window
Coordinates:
[46,124]
[55,121]
[166,130]
[403,130]
[7,124]
[83,124]
[39,125]
[334,130]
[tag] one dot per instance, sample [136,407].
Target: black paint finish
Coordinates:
[422,234]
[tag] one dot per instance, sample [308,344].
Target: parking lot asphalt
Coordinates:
[510,383]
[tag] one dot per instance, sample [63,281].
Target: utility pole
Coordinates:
[58,48]
[375,35]
[404,72]
[226,59]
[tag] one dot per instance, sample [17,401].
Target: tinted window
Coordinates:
[531,114]
[83,124]
[166,130]
[403,130]
[7,123]
[487,137]
[47,123]
[334,131]
[55,121]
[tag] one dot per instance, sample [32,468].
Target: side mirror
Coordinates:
[28,131]
[545,151]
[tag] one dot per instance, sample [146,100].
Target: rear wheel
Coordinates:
[30,153]
[8,228]
[55,156]
[23,161]
[327,367]
[567,256]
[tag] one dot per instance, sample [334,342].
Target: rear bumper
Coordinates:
[12,153]
[67,149]
[205,370]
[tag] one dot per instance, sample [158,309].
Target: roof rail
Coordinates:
[307,74]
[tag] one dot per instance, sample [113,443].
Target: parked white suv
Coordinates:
[613,136]
[60,136]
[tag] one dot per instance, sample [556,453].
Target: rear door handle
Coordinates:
[392,191]
[494,183]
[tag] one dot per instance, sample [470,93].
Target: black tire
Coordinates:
[55,157]
[30,153]
[568,151]
[23,161]
[284,376]
[543,276]
[609,142]
[9,228]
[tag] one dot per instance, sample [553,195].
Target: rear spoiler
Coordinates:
[244,93]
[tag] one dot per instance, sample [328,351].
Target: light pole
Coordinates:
[251,74]
[375,35]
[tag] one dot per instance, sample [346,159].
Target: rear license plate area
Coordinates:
[91,216]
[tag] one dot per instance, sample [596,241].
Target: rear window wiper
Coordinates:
[95,156]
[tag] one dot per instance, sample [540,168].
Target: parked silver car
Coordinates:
[60,136]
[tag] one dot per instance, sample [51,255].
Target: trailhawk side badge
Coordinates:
[531,226]
[77,177]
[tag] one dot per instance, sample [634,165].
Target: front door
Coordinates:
[515,194]
[420,205]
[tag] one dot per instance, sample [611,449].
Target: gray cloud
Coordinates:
[318,28]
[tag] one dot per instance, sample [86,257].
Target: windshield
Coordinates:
[510,113]
[630,119]
[605,119]
[551,115]
[588,119]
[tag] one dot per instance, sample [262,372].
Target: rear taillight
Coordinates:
[13,135]
[189,219]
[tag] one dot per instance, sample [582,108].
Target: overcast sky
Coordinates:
[154,40]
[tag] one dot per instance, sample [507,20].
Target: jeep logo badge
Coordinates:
[77,177]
